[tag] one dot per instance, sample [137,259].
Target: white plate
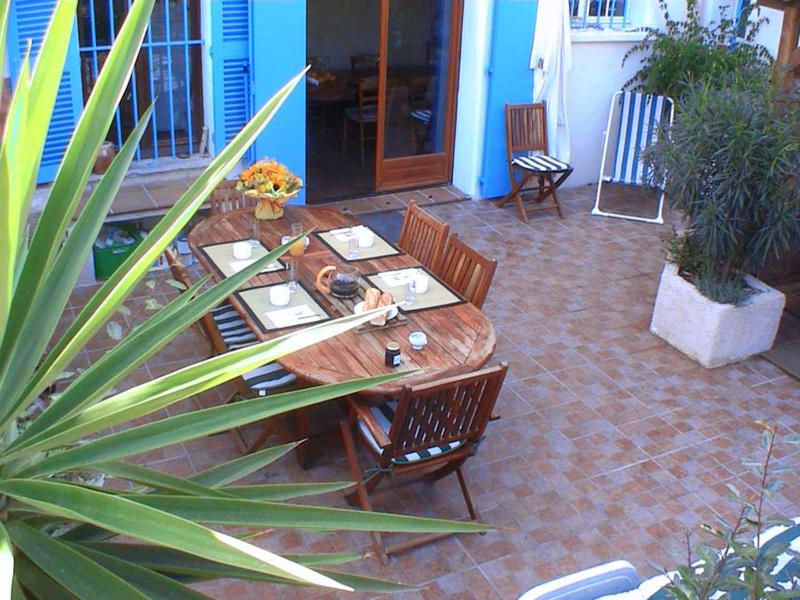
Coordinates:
[359,308]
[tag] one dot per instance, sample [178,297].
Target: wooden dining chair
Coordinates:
[226,197]
[526,154]
[430,430]
[466,271]
[364,114]
[225,330]
[422,236]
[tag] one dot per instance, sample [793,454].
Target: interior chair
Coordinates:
[226,197]
[363,115]
[526,154]
[363,65]
[430,430]
[225,330]
[422,236]
[466,271]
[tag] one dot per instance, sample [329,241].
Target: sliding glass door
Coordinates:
[417,83]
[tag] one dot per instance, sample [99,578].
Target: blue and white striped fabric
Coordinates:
[423,115]
[383,414]
[540,163]
[640,119]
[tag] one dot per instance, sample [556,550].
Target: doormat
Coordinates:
[385,224]
[786,356]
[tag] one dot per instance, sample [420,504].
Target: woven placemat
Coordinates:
[256,302]
[338,241]
[221,256]
[395,283]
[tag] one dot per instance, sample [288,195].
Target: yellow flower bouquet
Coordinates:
[272,183]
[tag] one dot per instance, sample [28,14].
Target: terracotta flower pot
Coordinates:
[105,155]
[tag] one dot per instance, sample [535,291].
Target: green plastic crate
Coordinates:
[108,259]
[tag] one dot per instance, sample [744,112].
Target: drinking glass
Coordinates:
[291,267]
[411,292]
[254,227]
[352,246]
[299,246]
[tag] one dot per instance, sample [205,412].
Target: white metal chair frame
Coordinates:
[659,219]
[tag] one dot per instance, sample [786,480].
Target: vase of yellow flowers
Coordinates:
[272,183]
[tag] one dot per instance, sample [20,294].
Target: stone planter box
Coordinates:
[715,334]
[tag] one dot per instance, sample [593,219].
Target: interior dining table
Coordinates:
[460,337]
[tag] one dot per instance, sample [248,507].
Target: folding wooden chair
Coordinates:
[422,236]
[225,330]
[526,132]
[432,429]
[466,271]
[226,197]
[365,113]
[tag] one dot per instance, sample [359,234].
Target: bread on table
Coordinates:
[384,300]
[371,298]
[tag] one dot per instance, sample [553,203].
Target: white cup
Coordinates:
[418,340]
[422,280]
[242,250]
[365,237]
[280,295]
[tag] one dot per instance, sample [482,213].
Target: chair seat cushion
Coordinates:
[235,332]
[383,415]
[540,164]
[422,115]
[268,377]
[369,115]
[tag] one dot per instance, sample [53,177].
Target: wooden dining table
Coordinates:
[461,338]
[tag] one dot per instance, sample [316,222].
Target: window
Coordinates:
[599,13]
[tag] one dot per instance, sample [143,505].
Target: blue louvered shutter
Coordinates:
[28,21]
[230,55]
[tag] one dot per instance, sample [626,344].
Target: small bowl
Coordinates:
[418,340]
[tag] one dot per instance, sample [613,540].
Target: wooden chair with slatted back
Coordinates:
[226,197]
[422,236]
[466,271]
[225,330]
[364,114]
[431,430]
[526,153]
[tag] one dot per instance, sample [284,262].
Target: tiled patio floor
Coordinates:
[610,444]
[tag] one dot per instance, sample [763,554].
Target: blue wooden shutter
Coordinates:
[28,21]
[275,63]
[230,55]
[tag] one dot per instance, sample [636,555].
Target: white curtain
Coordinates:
[551,60]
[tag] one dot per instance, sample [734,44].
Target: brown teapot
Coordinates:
[341,282]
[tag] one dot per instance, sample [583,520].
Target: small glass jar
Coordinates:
[392,357]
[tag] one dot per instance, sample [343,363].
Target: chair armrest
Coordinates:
[364,414]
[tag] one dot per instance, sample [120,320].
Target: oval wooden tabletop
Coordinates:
[460,337]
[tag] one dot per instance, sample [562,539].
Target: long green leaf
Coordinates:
[181,428]
[149,583]
[141,344]
[81,576]
[12,187]
[284,491]
[102,305]
[241,467]
[66,191]
[155,479]
[6,564]
[248,513]
[190,568]
[183,383]
[39,584]
[151,525]
[48,304]
[16,590]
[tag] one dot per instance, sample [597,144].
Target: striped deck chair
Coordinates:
[636,118]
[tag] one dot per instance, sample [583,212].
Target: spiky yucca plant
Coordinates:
[58,533]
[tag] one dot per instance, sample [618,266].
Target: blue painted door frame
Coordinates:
[510,81]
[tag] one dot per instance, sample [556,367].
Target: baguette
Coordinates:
[384,300]
[371,299]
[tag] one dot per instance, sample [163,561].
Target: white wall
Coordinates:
[596,74]
[472,94]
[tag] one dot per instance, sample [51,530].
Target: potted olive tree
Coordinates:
[731,165]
